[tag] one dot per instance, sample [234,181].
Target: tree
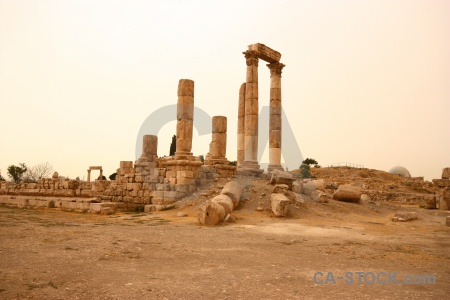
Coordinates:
[173,146]
[112,176]
[37,172]
[310,161]
[304,171]
[305,167]
[16,172]
[101,178]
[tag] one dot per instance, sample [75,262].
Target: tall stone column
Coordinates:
[275,116]
[251,111]
[89,176]
[185,116]
[218,146]
[241,126]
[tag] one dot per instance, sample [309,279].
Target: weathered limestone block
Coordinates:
[282,177]
[280,189]
[447,221]
[107,211]
[319,184]
[430,202]
[126,164]
[446,173]
[225,201]
[308,188]
[403,216]
[97,207]
[317,195]
[97,186]
[442,183]
[365,198]
[210,213]
[279,204]
[219,124]
[348,193]
[149,147]
[55,175]
[233,190]
[444,200]
[184,135]
[265,53]
[185,174]
[186,87]
[297,187]
[151,207]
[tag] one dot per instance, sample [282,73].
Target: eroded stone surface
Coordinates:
[279,204]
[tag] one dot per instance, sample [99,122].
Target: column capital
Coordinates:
[276,68]
[251,57]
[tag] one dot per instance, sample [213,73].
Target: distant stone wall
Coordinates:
[48,187]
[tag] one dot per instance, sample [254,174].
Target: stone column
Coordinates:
[101,174]
[218,146]
[89,176]
[185,116]
[251,111]
[241,126]
[149,148]
[275,116]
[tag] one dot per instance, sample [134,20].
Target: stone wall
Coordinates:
[443,195]
[50,187]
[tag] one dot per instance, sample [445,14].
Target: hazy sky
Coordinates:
[366,82]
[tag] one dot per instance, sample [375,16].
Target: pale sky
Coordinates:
[365,82]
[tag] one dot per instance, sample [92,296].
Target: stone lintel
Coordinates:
[265,53]
[95,167]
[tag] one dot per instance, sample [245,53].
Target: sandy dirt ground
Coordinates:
[51,254]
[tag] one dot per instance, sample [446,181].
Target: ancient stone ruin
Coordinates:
[153,183]
[247,145]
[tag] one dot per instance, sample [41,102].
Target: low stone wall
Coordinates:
[49,187]
[140,183]
[78,204]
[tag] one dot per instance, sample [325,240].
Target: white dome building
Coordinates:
[399,170]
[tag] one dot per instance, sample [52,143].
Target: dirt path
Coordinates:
[49,254]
